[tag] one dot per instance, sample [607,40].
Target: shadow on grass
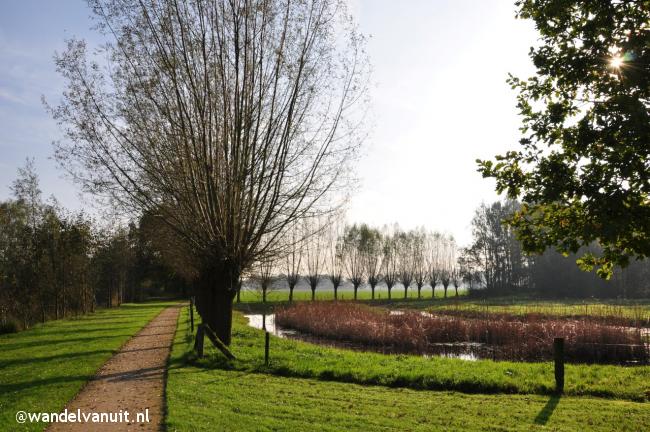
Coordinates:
[214,361]
[44,383]
[546,412]
[49,342]
[45,359]
[142,374]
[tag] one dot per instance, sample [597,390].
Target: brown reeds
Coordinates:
[501,337]
[534,315]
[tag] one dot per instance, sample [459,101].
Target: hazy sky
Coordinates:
[439,101]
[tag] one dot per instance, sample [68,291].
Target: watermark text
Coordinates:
[78,416]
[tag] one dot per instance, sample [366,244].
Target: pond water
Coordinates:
[464,351]
[267,322]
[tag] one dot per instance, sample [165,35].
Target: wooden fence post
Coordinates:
[266,348]
[191,314]
[198,342]
[558,356]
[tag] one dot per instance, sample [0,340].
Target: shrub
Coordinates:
[8,327]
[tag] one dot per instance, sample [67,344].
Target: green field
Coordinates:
[212,394]
[634,309]
[41,369]
[637,309]
[327,293]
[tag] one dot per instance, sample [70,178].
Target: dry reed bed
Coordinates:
[415,332]
[609,320]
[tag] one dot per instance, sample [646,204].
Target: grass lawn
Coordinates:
[303,360]
[41,369]
[211,395]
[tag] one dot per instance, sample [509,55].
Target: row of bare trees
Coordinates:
[326,251]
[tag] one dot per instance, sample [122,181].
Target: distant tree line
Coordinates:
[499,266]
[55,264]
[326,253]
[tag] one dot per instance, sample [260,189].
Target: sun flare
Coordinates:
[616,62]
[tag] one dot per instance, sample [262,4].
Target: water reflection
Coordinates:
[259,321]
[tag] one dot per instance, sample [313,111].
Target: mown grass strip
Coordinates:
[41,369]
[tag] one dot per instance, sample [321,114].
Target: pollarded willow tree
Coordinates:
[315,252]
[264,277]
[335,255]
[434,259]
[407,258]
[420,253]
[447,263]
[354,239]
[228,119]
[390,260]
[372,258]
[293,256]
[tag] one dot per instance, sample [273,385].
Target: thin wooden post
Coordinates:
[218,343]
[191,315]
[198,342]
[267,340]
[558,356]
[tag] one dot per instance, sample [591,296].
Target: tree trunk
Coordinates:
[372,289]
[42,306]
[356,287]
[406,291]
[419,292]
[109,300]
[336,292]
[389,289]
[63,291]
[291,287]
[313,293]
[445,287]
[217,288]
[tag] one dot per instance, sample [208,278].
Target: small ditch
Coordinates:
[464,350]
[469,351]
